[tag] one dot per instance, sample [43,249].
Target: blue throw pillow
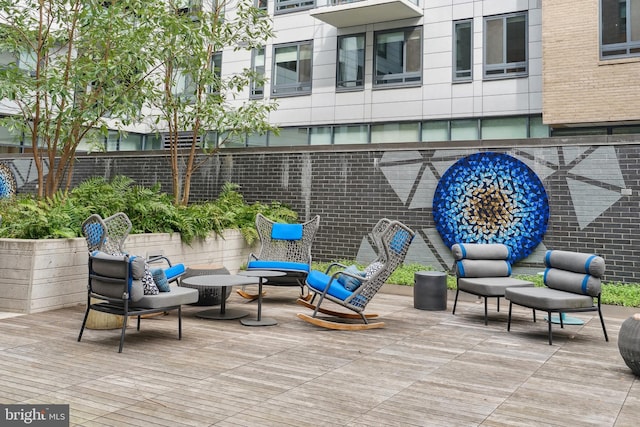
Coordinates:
[160,278]
[351,283]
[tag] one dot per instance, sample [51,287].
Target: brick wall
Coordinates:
[578,87]
[586,180]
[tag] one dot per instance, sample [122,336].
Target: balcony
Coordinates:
[348,13]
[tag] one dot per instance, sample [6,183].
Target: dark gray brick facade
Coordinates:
[351,187]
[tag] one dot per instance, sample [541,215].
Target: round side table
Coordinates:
[261,275]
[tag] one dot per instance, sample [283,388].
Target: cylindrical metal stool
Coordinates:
[430,290]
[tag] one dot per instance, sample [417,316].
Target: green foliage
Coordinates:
[75,64]
[150,211]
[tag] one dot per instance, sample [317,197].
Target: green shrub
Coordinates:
[150,211]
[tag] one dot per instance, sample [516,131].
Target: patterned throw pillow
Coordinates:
[148,284]
[372,269]
[160,278]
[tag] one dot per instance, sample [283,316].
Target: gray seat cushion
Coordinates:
[489,286]
[177,296]
[546,299]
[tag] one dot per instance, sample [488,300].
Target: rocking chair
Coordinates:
[353,289]
[286,248]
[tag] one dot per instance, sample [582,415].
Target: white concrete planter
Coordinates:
[47,274]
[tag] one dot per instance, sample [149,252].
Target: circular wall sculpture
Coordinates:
[491,198]
[7,181]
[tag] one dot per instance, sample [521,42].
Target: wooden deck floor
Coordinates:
[426,368]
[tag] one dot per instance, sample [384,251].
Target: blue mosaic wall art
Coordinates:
[491,198]
[7,181]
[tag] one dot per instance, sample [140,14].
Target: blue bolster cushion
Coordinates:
[174,271]
[351,283]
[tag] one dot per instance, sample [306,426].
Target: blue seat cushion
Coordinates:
[174,271]
[317,281]
[278,265]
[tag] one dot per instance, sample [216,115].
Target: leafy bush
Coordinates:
[150,211]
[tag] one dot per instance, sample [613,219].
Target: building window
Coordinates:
[350,72]
[286,6]
[292,69]
[398,57]
[186,87]
[395,132]
[351,134]
[436,131]
[464,130]
[463,50]
[620,28]
[505,46]
[257,66]
[289,137]
[261,4]
[504,128]
[216,67]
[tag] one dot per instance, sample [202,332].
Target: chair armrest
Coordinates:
[333,265]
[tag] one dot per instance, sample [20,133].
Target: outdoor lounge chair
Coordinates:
[572,282]
[353,289]
[483,269]
[115,287]
[109,234]
[286,248]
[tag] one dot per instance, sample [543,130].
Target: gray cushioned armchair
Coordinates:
[484,270]
[115,287]
[573,282]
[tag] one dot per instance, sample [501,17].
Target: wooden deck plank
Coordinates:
[424,368]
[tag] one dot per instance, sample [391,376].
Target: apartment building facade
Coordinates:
[373,71]
[395,71]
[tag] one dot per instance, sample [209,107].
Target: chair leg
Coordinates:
[455,302]
[180,321]
[124,328]
[486,314]
[606,337]
[509,317]
[550,323]
[84,322]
